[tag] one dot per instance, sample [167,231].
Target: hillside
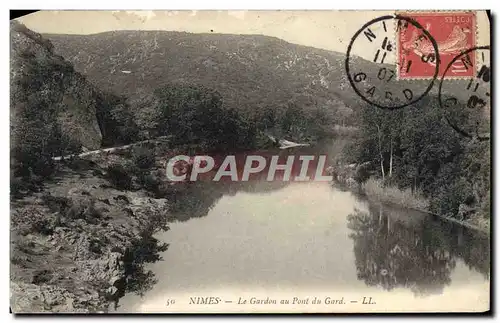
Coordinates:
[139,60]
[53,107]
[251,72]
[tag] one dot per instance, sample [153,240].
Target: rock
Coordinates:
[112,290]
[82,249]
[70,99]
[30,298]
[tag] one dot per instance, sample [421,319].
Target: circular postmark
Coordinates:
[377,81]
[466,103]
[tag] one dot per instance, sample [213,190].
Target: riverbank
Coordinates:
[79,240]
[374,190]
[79,244]
[476,222]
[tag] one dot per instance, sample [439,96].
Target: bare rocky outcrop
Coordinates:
[74,244]
[52,107]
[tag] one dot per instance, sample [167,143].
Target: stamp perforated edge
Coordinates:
[430,13]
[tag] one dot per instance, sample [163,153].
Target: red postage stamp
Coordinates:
[453,32]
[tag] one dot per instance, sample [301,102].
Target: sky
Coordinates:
[331,30]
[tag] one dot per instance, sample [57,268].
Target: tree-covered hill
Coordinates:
[264,78]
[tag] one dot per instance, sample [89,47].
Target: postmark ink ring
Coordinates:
[465,101]
[378,82]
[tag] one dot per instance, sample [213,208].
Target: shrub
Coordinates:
[144,158]
[17,186]
[377,190]
[448,198]
[31,220]
[57,203]
[81,207]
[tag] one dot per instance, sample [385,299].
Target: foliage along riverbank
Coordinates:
[446,175]
[82,229]
[413,157]
[376,191]
[81,241]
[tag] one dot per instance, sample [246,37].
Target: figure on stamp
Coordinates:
[454,43]
[453,33]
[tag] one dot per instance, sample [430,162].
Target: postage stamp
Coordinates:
[378,85]
[454,32]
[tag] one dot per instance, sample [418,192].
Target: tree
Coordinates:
[391,254]
[416,148]
[195,114]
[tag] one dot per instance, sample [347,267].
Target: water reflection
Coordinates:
[195,199]
[268,236]
[401,248]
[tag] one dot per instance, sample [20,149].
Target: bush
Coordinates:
[57,203]
[17,186]
[81,207]
[144,158]
[197,115]
[151,183]
[31,220]
[377,190]
[119,177]
[449,197]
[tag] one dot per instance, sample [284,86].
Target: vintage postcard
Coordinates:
[250,161]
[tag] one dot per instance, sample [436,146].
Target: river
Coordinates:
[311,240]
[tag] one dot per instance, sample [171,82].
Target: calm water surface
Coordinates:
[276,240]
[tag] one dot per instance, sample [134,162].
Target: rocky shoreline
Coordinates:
[79,244]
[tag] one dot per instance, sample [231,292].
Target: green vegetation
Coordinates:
[302,119]
[196,115]
[116,120]
[143,158]
[54,110]
[119,176]
[415,151]
[418,257]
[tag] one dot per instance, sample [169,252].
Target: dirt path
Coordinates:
[112,149]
